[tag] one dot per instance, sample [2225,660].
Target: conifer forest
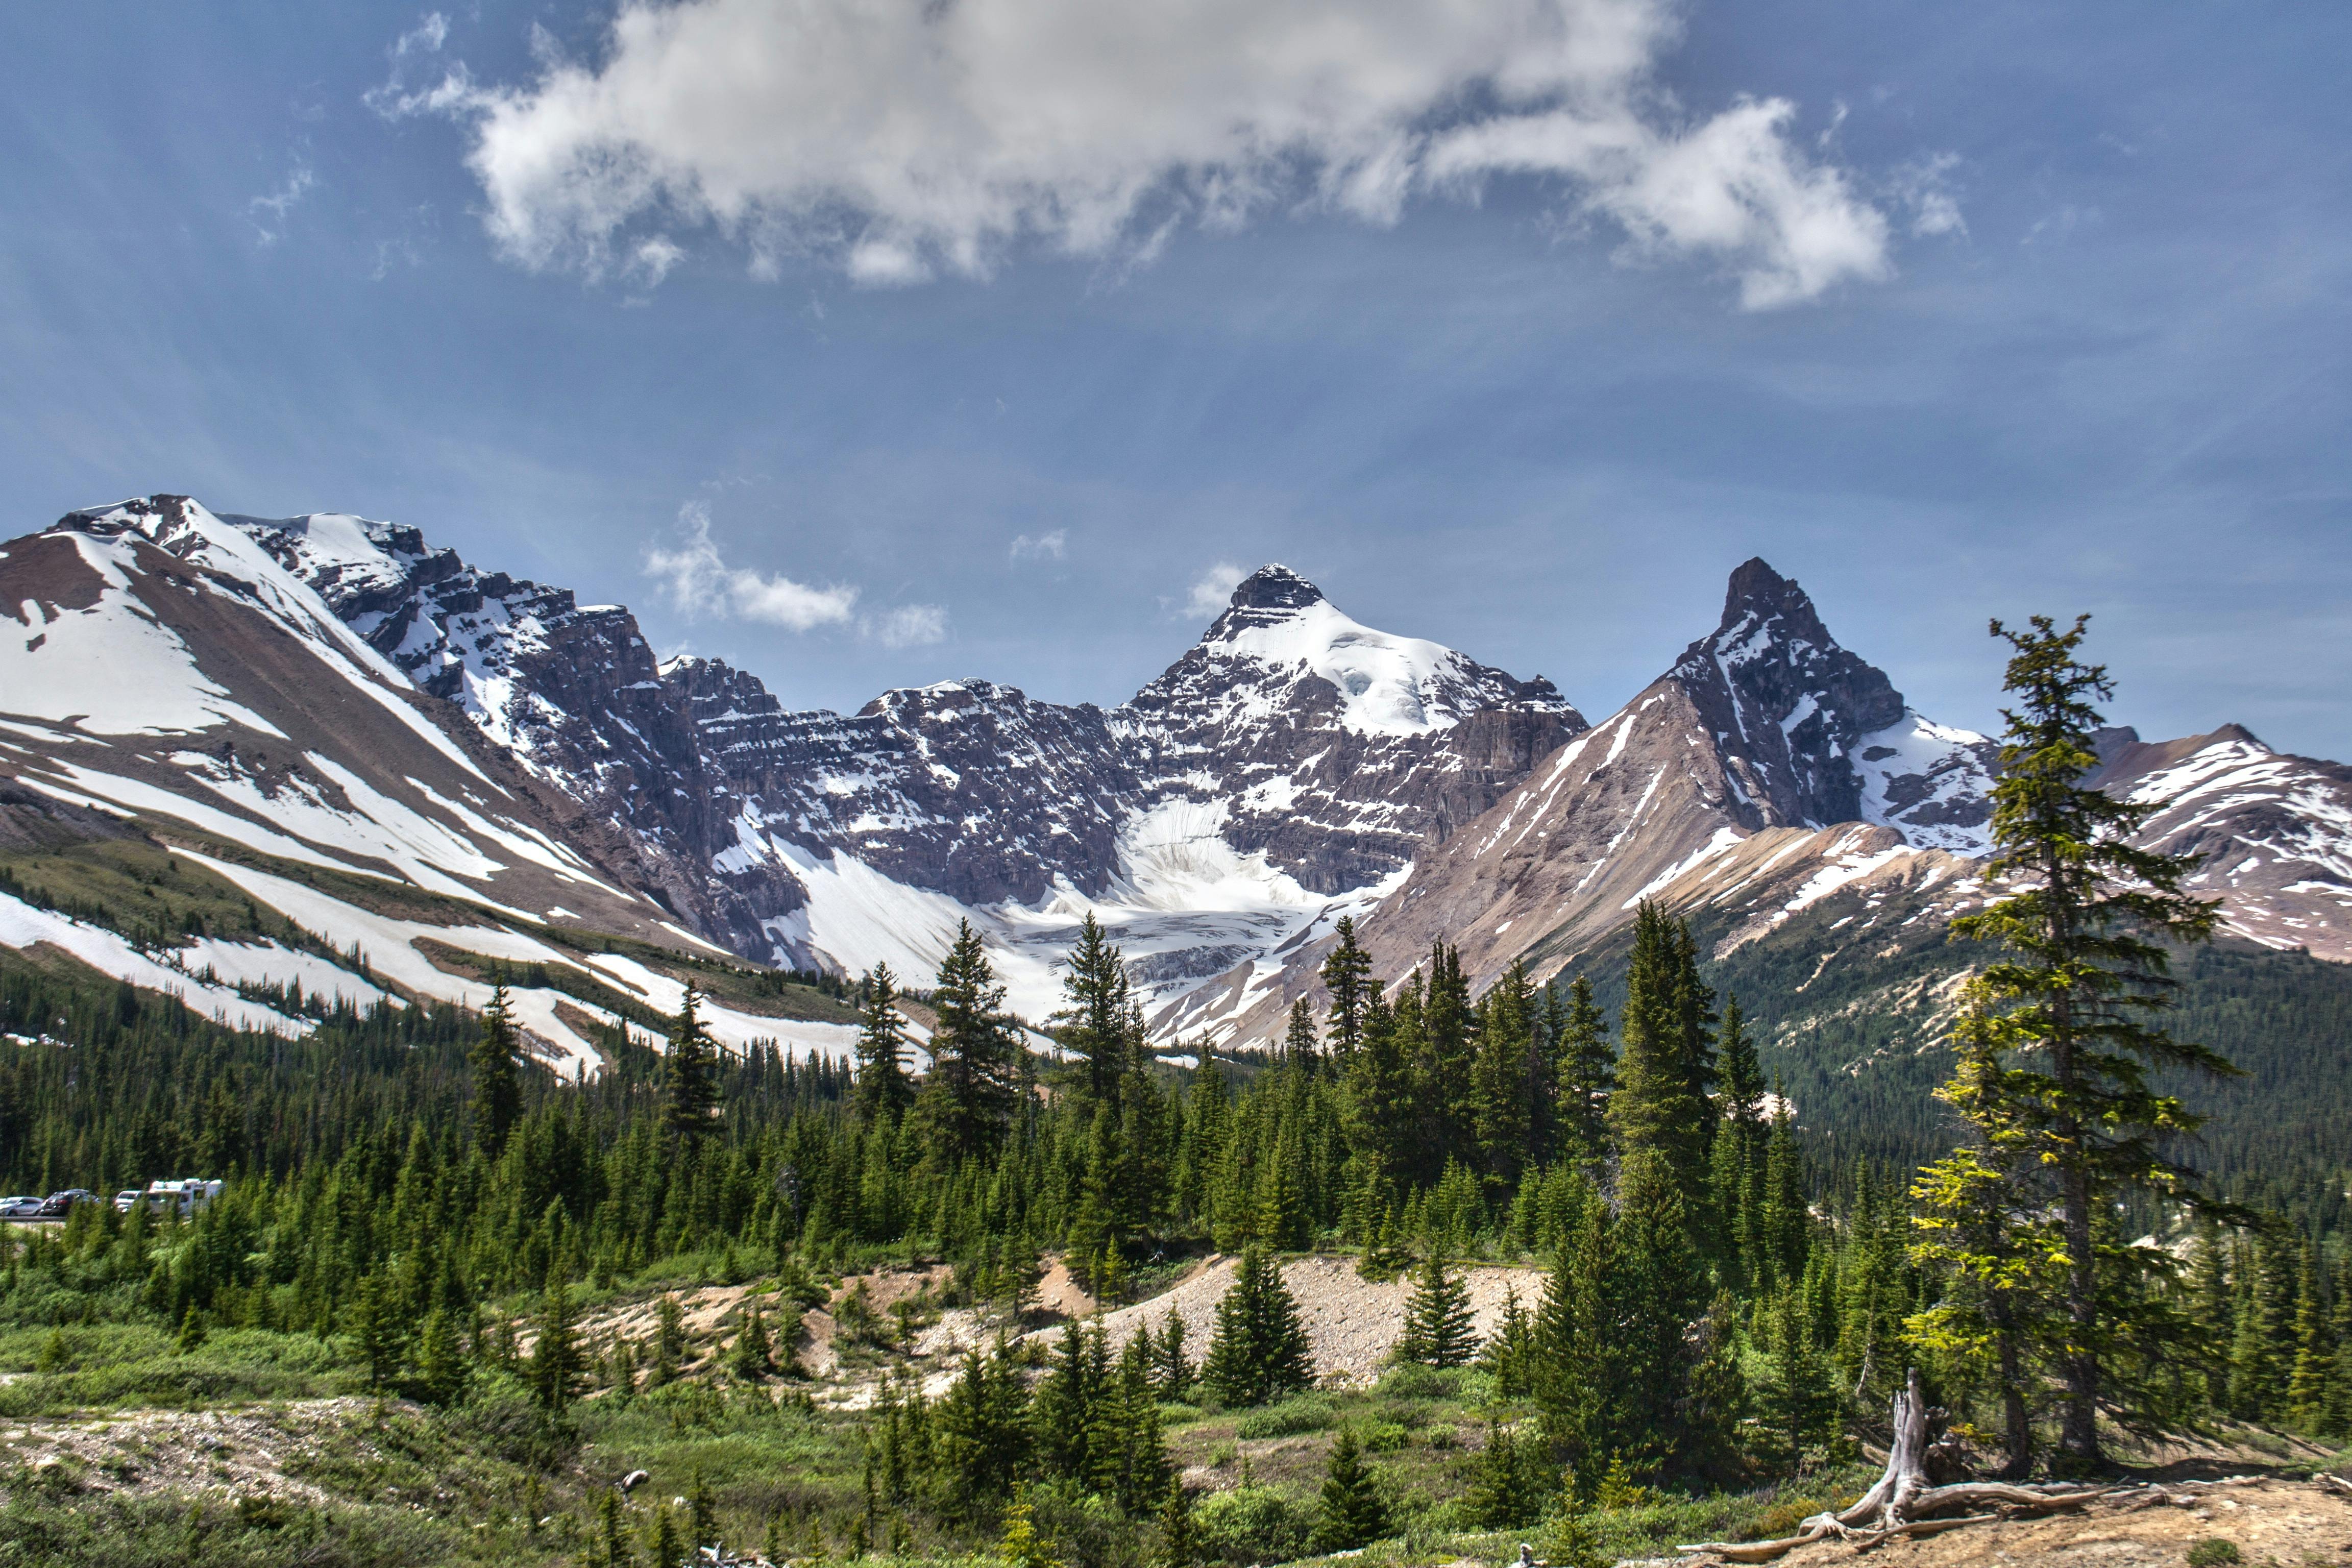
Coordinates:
[1076,1296]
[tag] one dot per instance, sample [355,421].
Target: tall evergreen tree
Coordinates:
[690,1068]
[1346,976]
[1660,1105]
[884,1089]
[2085,932]
[1299,1044]
[1587,1073]
[556,1360]
[1094,1020]
[497,1084]
[975,1055]
[1259,1351]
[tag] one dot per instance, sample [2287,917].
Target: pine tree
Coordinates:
[752,1355]
[1300,1046]
[1351,1514]
[975,1056]
[1509,1355]
[441,1366]
[690,1074]
[2085,932]
[1785,1218]
[556,1361]
[1507,1488]
[702,1512]
[1259,1351]
[2315,1355]
[662,1544]
[884,1089]
[1795,1404]
[1504,1116]
[611,1537]
[1173,1372]
[1094,1023]
[669,1340]
[498,1086]
[1661,1106]
[1740,1150]
[1588,1075]
[1346,976]
[1437,1317]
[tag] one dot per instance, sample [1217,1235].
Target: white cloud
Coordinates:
[425,37]
[1214,590]
[653,259]
[1924,185]
[700,583]
[899,140]
[908,625]
[1044,546]
[280,201]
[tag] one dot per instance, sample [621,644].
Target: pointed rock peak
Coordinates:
[1275,587]
[1758,595]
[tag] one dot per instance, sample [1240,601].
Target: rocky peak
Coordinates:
[1786,704]
[1266,595]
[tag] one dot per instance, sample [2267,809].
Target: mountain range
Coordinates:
[334,713]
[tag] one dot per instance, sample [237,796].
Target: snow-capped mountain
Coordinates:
[1292,759]
[1289,765]
[1765,723]
[168,668]
[329,692]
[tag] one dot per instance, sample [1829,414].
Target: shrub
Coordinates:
[2214,1553]
[1252,1524]
[1382,1438]
[1308,1413]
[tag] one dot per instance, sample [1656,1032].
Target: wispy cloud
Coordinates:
[904,142]
[1212,590]
[267,213]
[1924,185]
[698,582]
[1042,546]
[908,625]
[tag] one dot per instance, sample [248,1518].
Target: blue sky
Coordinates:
[2046,310]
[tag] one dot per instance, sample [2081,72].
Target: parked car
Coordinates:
[58,1206]
[126,1200]
[23,1207]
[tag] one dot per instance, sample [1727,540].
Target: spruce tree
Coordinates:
[1660,1107]
[441,1366]
[2085,930]
[1351,1514]
[1259,1351]
[1173,1369]
[498,1084]
[975,1056]
[1505,1115]
[1094,1022]
[1437,1317]
[1795,1406]
[1346,976]
[884,1089]
[690,1074]
[1299,1044]
[1179,1544]
[1587,1074]
[752,1355]
[556,1361]
[1507,1488]
[2307,1393]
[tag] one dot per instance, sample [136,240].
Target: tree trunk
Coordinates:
[2017,1430]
